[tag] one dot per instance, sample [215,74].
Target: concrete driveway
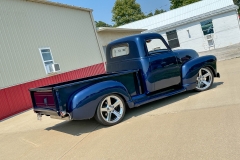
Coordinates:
[190,126]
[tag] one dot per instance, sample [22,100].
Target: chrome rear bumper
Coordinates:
[52,113]
[68,118]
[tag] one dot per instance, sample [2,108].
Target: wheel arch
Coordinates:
[190,70]
[84,103]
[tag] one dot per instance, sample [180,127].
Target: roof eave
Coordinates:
[110,29]
[60,5]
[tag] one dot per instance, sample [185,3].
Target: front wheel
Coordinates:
[204,80]
[111,110]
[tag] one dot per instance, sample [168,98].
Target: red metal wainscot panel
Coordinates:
[5,109]
[26,94]
[17,98]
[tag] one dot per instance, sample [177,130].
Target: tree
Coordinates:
[237,2]
[102,24]
[180,3]
[149,15]
[157,11]
[126,11]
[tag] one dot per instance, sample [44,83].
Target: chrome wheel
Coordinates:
[204,79]
[112,109]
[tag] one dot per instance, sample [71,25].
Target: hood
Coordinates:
[185,55]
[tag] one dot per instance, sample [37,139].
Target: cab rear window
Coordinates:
[120,50]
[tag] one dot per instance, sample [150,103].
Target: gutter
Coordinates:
[60,5]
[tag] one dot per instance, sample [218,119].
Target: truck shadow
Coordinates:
[134,112]
[77,128]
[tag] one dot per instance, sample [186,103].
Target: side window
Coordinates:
[173,39]
[155,46]
[120,50]
[207,27]
[46,57]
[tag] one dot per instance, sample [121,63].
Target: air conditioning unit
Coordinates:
[209,37]
[210,41]
[53,68]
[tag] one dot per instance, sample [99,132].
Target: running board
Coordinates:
[150,98]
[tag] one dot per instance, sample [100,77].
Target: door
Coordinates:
[164,70]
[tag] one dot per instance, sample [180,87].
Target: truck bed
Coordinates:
[52,99]
[99,77]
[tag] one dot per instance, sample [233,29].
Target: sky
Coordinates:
[102,8]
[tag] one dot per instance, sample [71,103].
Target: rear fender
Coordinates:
[191,68]
[83,104]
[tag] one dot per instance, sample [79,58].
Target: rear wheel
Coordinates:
[111,110]
[204,80]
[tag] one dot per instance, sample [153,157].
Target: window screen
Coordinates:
[120,50]
[46,57]
[173,39]
[207,27]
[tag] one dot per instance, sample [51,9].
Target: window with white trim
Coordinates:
[46,57]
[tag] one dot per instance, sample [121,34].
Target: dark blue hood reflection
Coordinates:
[184,55]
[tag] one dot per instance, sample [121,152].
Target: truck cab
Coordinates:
[159,66]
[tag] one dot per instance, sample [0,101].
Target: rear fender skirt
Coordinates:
[84,103]
[191,68]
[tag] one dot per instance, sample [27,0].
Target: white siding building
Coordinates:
[34,35]
[202,26]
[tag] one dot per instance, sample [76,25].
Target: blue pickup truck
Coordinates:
[140,69]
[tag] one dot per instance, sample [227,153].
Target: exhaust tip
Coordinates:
[63,113]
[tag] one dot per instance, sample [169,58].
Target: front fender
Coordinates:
[83,104]
[191,68]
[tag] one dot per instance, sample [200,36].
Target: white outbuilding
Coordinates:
[204,25]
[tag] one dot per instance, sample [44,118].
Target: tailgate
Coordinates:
[45,103]
[44,100]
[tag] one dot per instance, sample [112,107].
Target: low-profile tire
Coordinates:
[111,110]
[204,80]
